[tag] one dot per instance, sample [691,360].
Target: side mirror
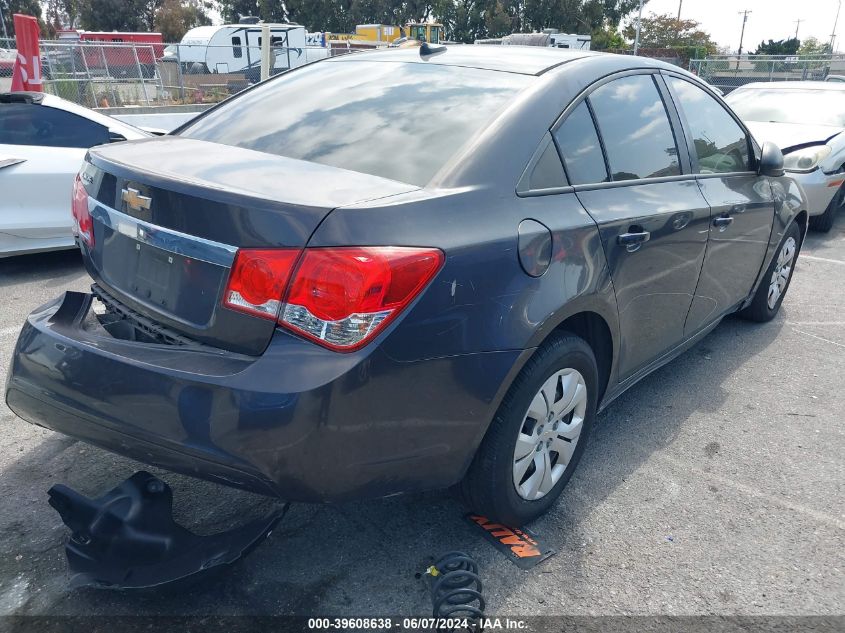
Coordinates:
[771,161]
[116,137]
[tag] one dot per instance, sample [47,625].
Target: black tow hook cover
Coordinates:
[127,539]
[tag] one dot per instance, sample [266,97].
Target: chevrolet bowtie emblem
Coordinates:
[134,200]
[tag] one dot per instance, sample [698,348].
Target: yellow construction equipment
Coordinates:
[430,32]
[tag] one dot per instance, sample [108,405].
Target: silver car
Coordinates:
[806,120]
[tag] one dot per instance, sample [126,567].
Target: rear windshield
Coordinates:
[395,120]
[813,107]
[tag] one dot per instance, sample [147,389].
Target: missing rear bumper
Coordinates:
[127,539]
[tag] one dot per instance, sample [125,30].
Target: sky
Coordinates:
[769,19]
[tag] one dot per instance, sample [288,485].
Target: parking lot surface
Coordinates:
[715,486]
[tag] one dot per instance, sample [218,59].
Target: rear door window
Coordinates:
[635,128]
[30,124]
[720,143]
[580,147]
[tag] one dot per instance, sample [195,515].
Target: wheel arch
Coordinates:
[803,219]
[590,325]
[589,319]
[595,330]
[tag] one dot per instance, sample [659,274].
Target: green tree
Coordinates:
[60,14]
[466,20]
[607,38]
[118,15]
[666,31]
[322,15]
[149,8]
[112,15]
[779,47]
[812,47]
[463,20]
[272,11]
[498,21]
[233,10]
[176,17]
[10,7]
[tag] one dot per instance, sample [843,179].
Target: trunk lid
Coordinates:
[170,213]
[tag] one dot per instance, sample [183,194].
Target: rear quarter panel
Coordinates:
[482,300]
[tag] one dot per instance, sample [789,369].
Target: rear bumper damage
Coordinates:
[299,422]
[127,539]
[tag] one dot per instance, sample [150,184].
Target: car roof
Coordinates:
[793,85]
[52,101]
[527,60]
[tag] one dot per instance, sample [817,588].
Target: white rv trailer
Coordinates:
[571,40]
[549,37]
[236,48]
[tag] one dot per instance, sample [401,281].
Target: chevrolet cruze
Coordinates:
[405,270]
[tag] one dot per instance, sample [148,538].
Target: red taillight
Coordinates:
[338,297]
[342,297]
[258,281]
[83,225]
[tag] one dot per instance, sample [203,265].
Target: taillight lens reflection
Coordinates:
[83,225]
[342,297]
[258,281]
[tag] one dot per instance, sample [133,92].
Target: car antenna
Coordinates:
[426,50]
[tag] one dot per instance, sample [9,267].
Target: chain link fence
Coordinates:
[113,74]
[728,72]
[7,62]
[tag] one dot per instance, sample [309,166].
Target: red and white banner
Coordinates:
[26,74]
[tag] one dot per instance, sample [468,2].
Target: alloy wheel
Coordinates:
[549,433]
[782,271]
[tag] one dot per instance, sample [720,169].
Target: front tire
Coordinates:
[537,436]
[776,279]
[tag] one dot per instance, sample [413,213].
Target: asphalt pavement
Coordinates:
[715,486]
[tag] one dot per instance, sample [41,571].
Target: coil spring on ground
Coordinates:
[456,588]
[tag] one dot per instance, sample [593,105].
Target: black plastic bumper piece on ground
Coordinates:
[127,539]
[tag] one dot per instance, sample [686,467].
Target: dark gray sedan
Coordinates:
[409,269]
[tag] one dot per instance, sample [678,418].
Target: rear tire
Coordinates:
[776,279]
[824,222]
[517,473]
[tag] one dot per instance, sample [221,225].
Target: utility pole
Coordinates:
[835,22]
[680,4]
[744,15]
[797,24]
[639,22]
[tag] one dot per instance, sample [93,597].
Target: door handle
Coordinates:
[633,240]
[722,222]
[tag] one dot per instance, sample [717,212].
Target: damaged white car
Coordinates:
[806,120]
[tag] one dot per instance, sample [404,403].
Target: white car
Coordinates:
[43,140]
[806,120]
